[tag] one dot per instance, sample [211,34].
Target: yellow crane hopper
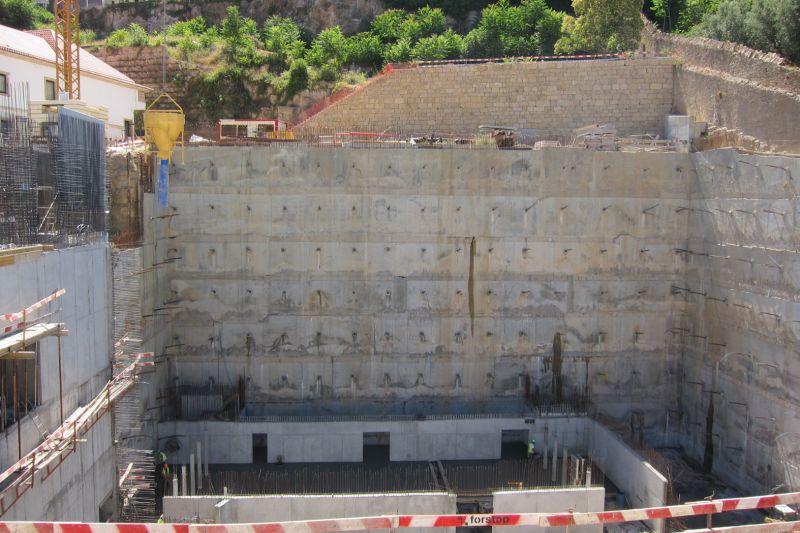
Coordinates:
[164,127]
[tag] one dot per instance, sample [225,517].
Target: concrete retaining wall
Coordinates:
[327,273]
[642,484]
[350,273]
[742,334]
[555,97]
[579,500]
[230,442]
[284,507]
[85,480]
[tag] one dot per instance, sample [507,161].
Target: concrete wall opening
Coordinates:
[260,450]
[514,443]
[376,447]
[20,387]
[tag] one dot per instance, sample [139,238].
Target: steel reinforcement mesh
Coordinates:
[52,175]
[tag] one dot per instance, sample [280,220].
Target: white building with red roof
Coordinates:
[28,57]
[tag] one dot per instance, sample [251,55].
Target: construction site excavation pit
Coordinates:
[567,474]
[349,316]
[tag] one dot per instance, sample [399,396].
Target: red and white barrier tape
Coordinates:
[393,522]
[772,527]
[12,317]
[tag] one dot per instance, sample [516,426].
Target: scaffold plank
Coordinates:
[30,335]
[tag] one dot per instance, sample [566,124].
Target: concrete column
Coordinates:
[199,466]
[564,461]
[205,451]
[175,484]
[544,456]
[588,477]
[577,477]
[192,479]
[184,487]
[553,471]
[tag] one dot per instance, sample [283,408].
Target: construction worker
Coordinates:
[160,519]
[162,474]
[165,474]
[531,448]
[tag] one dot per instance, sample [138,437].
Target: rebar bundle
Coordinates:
[17,194]
[484,477]
[322,478]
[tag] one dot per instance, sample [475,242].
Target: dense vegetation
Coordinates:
[238,67]
[768,25]
[246,67]
[23,14]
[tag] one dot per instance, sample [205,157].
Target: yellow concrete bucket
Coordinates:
[163,127]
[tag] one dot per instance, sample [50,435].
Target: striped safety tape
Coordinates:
[431,521]
[11,317]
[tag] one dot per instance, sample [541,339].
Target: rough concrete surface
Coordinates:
[285,507]
[79,486]
[579,500]
[316,274]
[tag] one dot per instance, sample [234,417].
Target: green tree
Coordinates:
[365,50]
[282,38]
[601,26]
[328,48]
[548,30]
[389,25]
[424,23]
[138,35]
[399,52]
[727,23]
[510,30]
[196,26]
[787,32]
[240,37]
[448,45]
[19,14]
[768,25]
[692,12]
[297,79]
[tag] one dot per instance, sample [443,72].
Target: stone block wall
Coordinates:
[143,64]
[555,97]
[735,60]
[734,87]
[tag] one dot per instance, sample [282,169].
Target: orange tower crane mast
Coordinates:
[68,45]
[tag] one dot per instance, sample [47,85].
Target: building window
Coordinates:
[49,90]
[3,83]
